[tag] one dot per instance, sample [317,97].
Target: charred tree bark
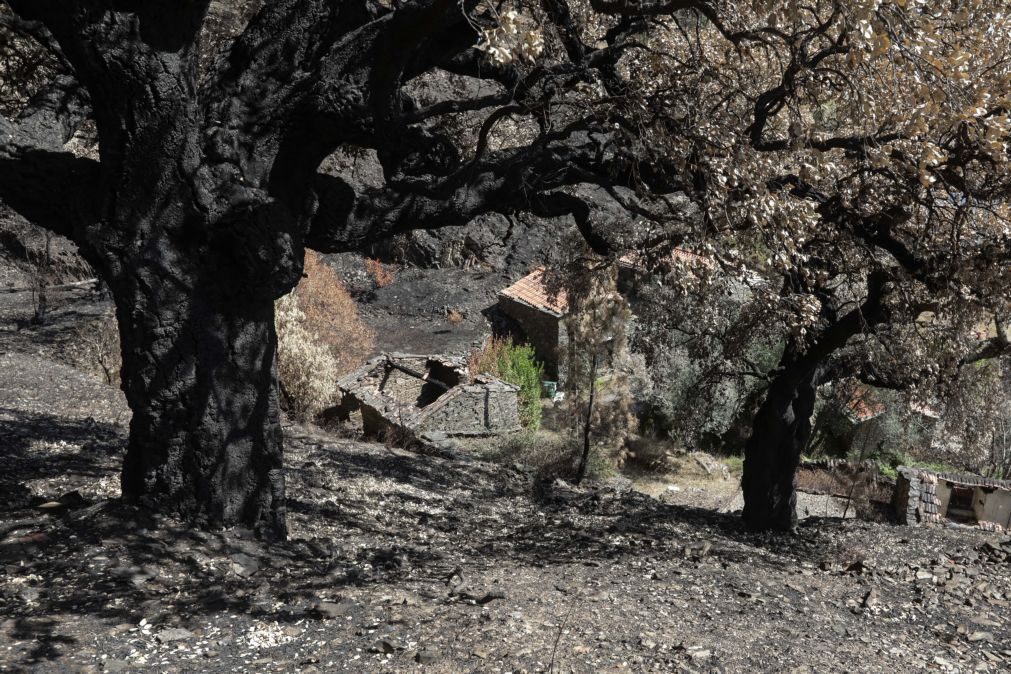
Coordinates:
[782,426]
[199,374]
[780,432]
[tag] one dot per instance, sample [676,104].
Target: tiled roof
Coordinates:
[532,290]
[924,409]
[962,479]
[862,406]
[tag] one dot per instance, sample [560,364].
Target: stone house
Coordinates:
[540,315]
[926,497]
[420,394]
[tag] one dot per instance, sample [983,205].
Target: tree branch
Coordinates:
[994,347]
[52,116]
[52,189]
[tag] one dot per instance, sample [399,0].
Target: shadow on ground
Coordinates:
[364,516]
[37,446]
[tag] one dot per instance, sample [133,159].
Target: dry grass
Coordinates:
[101,345]
[381,276]
[485,359]
[332,314]
[550,454]
[320,338]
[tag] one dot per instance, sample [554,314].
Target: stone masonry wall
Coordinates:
[402,386]
[474,410]
[541,329]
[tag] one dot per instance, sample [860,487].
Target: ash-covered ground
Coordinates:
[405,562]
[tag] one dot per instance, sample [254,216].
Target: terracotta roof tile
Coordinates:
[862,406]
[532,289]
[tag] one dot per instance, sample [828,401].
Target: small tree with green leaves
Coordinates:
[516,364]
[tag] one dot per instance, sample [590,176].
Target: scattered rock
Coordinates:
[386,646]
[330,610]
[426,656]
[481,599]
[173,634]
[699,653]
[244,565]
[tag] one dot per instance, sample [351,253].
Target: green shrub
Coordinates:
[516,364]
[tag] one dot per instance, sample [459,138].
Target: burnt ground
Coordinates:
[404,562]
[412,313]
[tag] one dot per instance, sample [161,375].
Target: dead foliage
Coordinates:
[321,337]
[332,314]
[379,273]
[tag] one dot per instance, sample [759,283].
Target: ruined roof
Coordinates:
[366,386]
[924,409]
[532,290]
[862,406]
[961,479]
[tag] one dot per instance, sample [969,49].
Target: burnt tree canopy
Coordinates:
[767,133]
[850,164]
[206,186]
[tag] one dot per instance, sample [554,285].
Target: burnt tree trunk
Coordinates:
[780,432]
[782,426]
[584,458]
[199,374]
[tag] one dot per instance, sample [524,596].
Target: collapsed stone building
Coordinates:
[422,394]
[925,497]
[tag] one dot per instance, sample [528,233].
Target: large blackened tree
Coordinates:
[841,148]
[206,189]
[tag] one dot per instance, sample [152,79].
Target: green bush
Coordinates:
[516,364]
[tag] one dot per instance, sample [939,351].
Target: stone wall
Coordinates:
[387,396]
[916,499]
[403,387]
[541,330]
[942,492]
[474,409]
[922,496]
[994,506]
